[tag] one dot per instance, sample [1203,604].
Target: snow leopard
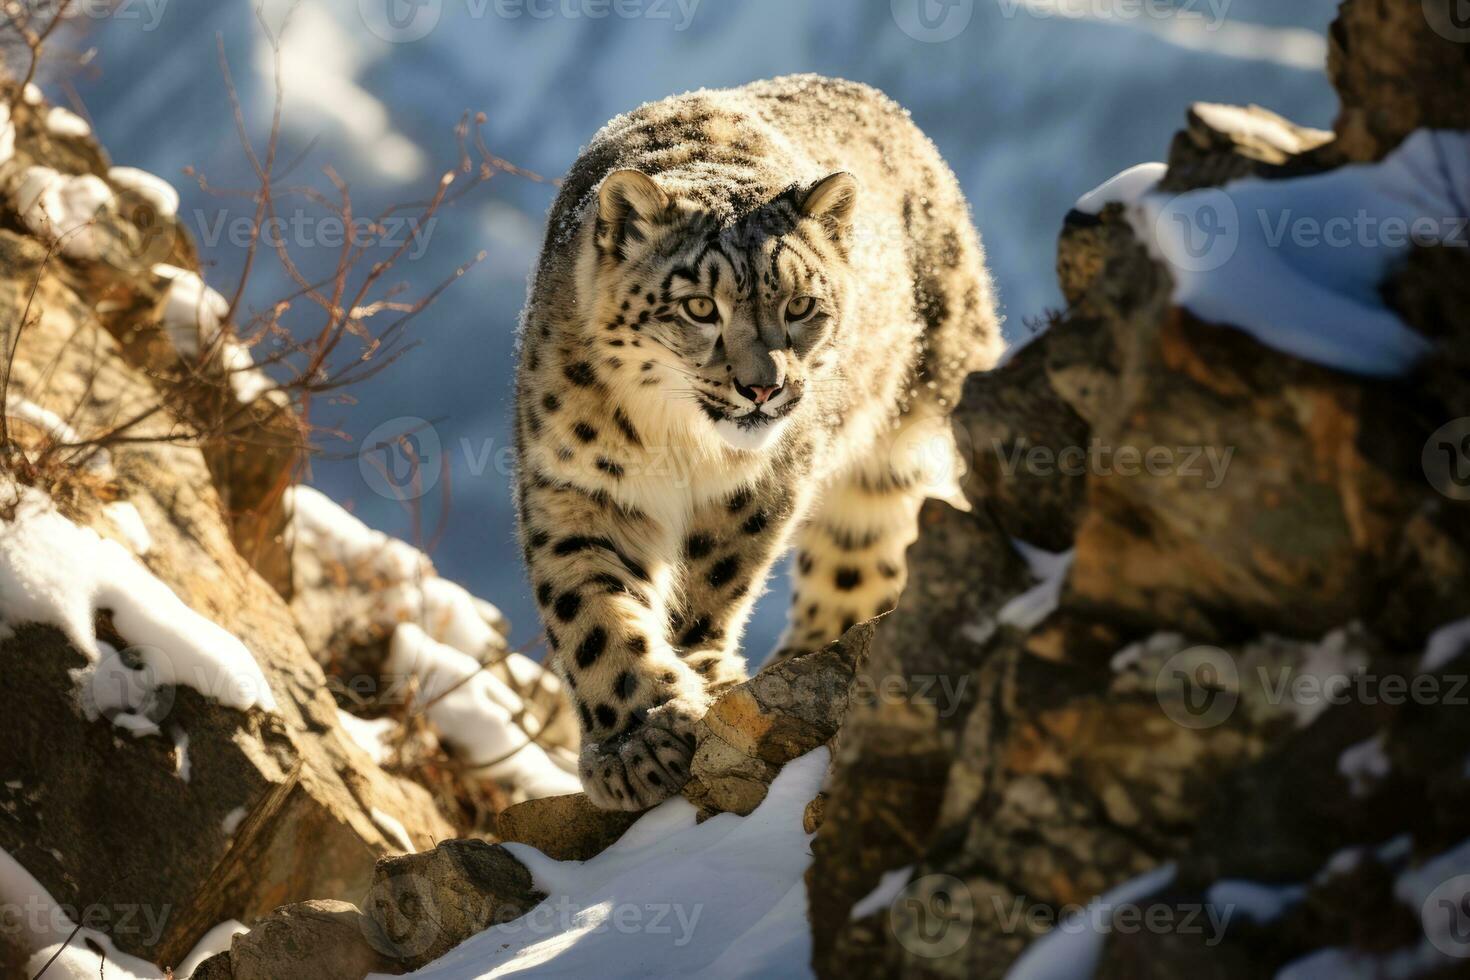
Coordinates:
[752,314]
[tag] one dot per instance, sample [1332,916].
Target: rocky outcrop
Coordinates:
[1191,680]
[780,714]
[423,905]
[318,939]
[566,828]
[1194,656]
[201,797]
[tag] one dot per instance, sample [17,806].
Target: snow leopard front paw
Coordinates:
[645,766]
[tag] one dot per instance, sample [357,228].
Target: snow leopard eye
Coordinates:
[799,308]
[701,309]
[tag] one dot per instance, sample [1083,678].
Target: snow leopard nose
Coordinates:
[760,394]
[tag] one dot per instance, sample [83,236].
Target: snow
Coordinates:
[1325,672]
[369,734]
[1195,26]
[1073,948]
[181,752]
[232,820]
[1127,187]
[476,715]
[1297,263]
[412,591]
[1260,903]
[1154,647]
[1027,610]
[1350,964]
[393,829]
[1414,886]
[443,637]
[1270,130]
[61,121]
[192,311]
[322,60]
[192,316]
[46,926]
[55,572]
[889,887]
[154,189]
[1444,645]
[1364,765]
[129,524]
[7,135]
[723,898]
[54,426]
[63,208]
[216,940]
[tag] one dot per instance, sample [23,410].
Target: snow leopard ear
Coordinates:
[832,201]
[628,206]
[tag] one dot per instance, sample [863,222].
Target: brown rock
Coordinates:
[1303,483]
[1221,143]
[814,814]
[423,905]
[783,712]
[317,940]
[1022,435]
[911,698]
[1397,67]
[567,828]
[217,967]
[260,783]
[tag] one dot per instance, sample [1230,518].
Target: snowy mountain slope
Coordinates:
[1030,108]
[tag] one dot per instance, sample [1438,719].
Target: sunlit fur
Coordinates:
[654,493]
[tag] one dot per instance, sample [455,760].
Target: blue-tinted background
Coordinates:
[1033,102]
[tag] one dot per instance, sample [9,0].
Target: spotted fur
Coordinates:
[753,311]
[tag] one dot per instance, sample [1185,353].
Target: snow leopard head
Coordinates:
[725,316]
